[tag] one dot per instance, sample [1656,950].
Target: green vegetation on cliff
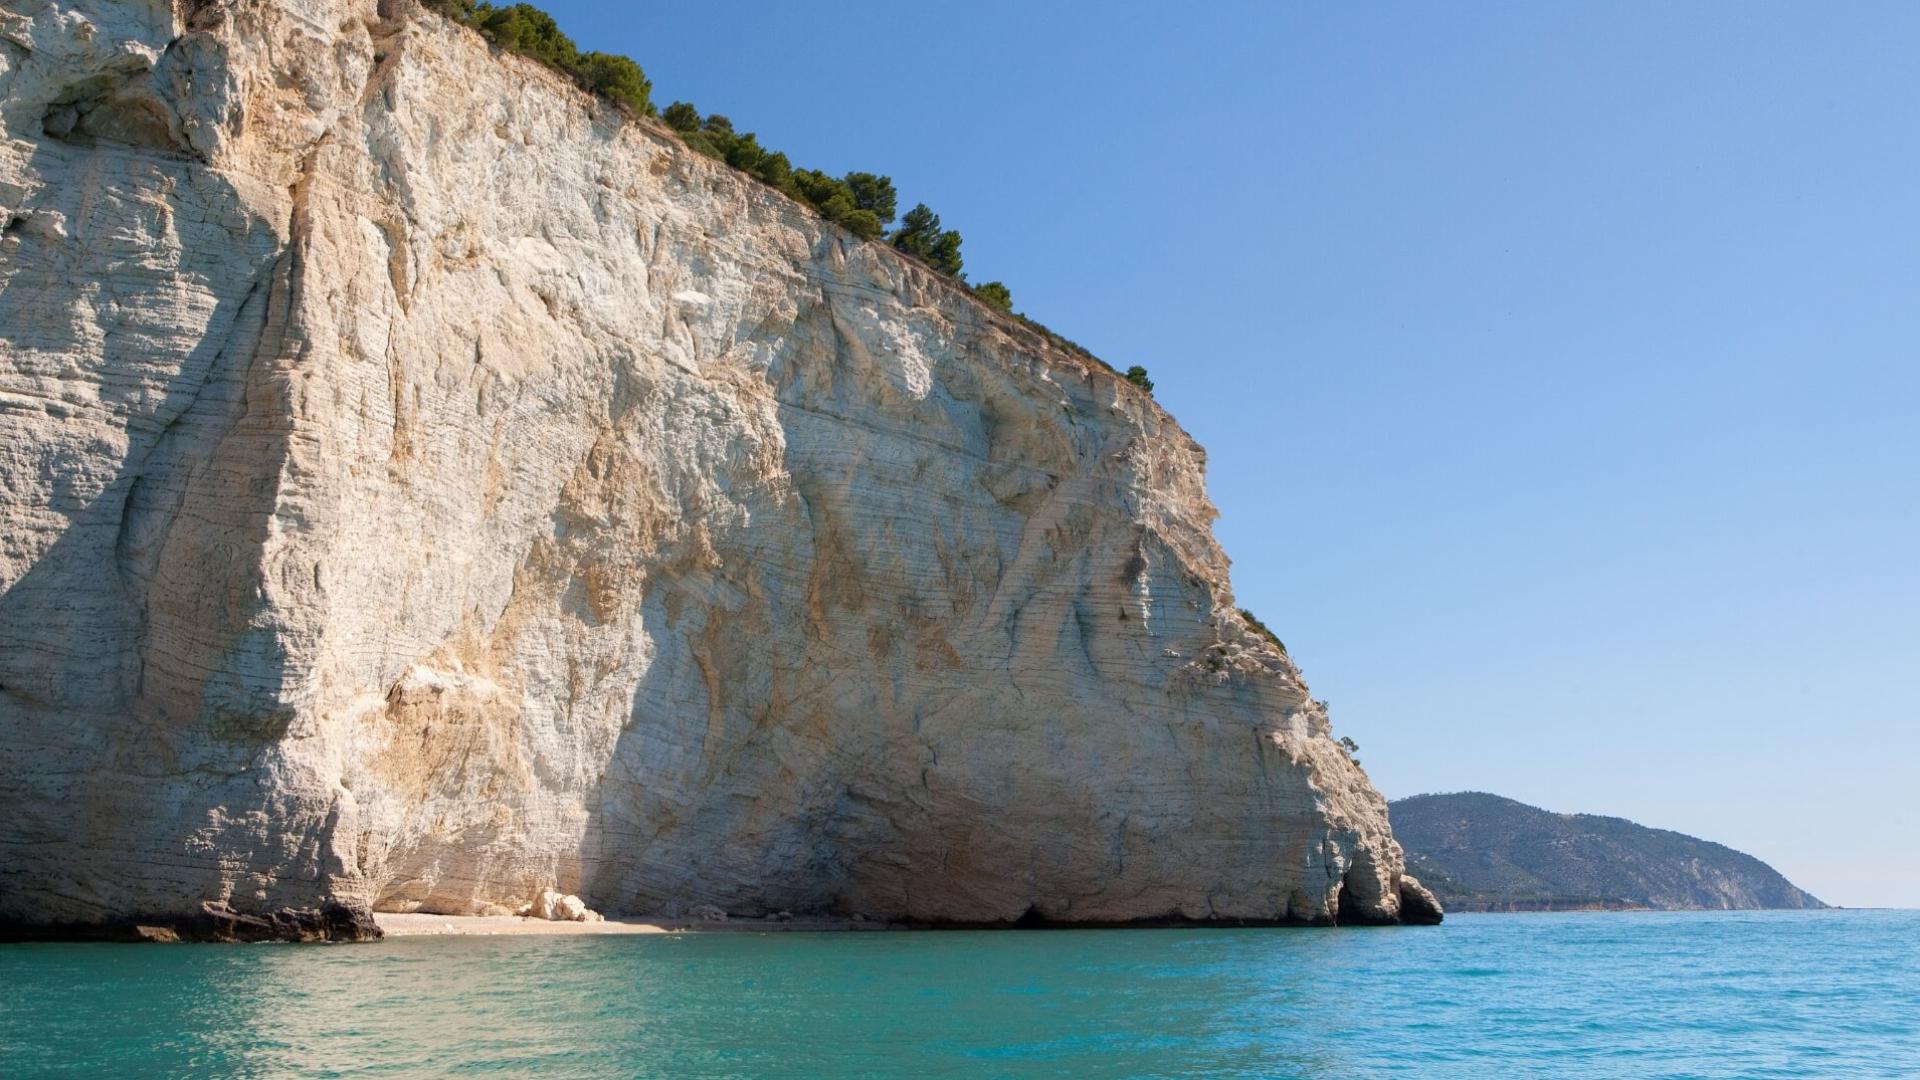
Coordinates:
[994,294]
[525,29]
[921,236]
[860,202]
[863,203]
[1252,620]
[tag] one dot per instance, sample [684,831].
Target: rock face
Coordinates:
[1481,852]
[421,487]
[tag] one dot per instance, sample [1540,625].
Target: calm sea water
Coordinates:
[1683,995]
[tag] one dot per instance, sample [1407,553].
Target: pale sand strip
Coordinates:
[397,925]
[419,925]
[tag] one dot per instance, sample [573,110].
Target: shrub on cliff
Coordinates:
[1137,375]
[851,202]
[618,78]
[460,11]
[525,29]
[836,201]
[530,32]
[995,295]
[1258,626]
[682,117]
[1352,748]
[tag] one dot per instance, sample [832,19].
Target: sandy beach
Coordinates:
[422,925]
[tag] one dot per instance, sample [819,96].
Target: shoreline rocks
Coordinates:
[553,906]
[215,922]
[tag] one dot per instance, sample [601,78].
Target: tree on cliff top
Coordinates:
[618,78]
[920,235]
[874,194]
[530,32]
[527,30]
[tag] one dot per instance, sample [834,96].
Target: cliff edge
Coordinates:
[422,486]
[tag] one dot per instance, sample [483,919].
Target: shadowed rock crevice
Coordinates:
[141,321]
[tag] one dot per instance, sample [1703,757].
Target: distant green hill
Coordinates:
[1481,852]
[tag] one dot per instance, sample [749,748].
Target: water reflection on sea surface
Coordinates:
[1826,993]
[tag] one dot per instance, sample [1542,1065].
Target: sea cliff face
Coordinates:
[421,486]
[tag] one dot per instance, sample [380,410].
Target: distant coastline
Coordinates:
[1484,853]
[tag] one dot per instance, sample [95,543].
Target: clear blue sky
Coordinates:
[1560,366]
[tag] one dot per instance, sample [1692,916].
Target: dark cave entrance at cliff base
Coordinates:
[1339,903]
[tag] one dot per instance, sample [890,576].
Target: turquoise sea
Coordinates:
[1823,994]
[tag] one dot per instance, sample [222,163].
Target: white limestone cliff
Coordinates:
[421,488]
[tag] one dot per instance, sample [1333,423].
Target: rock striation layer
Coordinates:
[422,487]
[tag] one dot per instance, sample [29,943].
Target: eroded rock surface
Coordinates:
[421,487]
